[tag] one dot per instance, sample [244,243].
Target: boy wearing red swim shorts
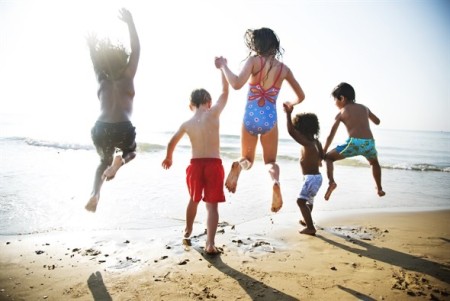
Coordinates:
[205,174]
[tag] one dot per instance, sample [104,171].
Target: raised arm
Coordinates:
[135,45]
[333,131]
[296,135]
[223,97]
[236,81]
[296,87]
[167,162]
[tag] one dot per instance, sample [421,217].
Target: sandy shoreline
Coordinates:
[374,256]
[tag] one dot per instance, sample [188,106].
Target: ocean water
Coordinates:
[45,182]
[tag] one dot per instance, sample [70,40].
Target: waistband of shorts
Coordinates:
[120,123]
[206,160]
[312,175]
[360,139]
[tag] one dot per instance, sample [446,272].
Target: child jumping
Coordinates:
[115,70]
[266,73]
[304,128]
[205,174]
[356,118]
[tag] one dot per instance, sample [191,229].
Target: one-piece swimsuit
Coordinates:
[261,110]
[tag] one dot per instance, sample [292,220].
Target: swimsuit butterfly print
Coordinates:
[262,96]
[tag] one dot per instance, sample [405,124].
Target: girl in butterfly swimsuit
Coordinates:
[265,73]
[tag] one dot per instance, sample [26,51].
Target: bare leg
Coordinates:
[118,161]
[269,143]
[329,159]
[248,148]
[302,222]
[306,213]
[191,212]
[277,200]
[376,172]
[98,182]
[211,226]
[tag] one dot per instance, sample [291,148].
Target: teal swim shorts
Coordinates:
[357,146]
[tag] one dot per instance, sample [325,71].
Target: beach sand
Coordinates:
[371,256]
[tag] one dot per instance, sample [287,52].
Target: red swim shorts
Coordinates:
[204,178]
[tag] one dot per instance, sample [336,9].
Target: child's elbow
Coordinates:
[236,86]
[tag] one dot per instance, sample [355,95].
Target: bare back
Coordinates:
[203,132]
[116,99]
[268,71]
[356,119]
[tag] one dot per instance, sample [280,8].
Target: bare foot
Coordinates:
[332,186]
[187,232]
[212,250]
[381,192]
[302,222]
[277,200]
[308,231]
[92,204]
[111,171]
[233,177]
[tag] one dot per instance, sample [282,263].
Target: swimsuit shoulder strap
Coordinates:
[279,74]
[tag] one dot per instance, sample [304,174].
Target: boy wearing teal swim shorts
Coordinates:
[360,142]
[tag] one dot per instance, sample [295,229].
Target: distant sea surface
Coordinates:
[45,182]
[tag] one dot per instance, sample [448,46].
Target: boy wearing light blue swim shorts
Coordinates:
[360,142]
[304,128]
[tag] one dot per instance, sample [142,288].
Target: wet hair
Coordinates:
[199,97]
[264,42]
[109,60]
[307,124]
[344,89]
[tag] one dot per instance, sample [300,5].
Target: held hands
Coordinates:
[220,62]
[288,107]
[125,16]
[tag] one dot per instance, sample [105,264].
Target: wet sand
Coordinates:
[370,256]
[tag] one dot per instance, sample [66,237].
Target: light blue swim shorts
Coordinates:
[310,187]
[357,146]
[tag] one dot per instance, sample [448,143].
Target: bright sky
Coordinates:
[395,53]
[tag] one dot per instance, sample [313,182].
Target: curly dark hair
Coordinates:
[109,60]
[307,124]
[199,97]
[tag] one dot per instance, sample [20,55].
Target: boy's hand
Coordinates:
[166,163]
[288,107]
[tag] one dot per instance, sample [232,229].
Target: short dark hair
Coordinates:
[199,97]
[307,124]
[344,89]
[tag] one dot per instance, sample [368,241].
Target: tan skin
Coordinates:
[203,132]
[269,141]
[116,104]
[356,118]
[310,161]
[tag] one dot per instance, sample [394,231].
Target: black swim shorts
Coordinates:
[108,137]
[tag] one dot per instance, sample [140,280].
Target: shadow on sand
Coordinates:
[393,257]
[255,289]
[356,294]
[98,288]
